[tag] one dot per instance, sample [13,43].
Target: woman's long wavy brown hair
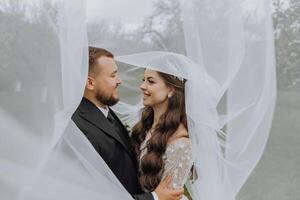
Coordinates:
[152,163]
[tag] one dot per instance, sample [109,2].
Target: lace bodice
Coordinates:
[177,159]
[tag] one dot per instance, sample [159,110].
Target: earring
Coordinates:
[169,95]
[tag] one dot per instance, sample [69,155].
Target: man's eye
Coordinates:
[151,81]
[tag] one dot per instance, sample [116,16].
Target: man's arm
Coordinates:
[146,196]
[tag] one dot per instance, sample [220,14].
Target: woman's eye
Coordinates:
[151,82]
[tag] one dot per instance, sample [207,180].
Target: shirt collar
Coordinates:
[104,110]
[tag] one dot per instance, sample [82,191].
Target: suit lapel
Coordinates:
[92,114]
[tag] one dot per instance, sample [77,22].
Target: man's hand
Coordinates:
[165,193]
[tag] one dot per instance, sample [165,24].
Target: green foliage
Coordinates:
[187,194]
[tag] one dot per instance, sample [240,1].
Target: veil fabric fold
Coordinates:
[43,155]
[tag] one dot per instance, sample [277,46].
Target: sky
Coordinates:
[130,12]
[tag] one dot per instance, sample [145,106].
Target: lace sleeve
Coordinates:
[178,161]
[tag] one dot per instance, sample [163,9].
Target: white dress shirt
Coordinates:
[104,110]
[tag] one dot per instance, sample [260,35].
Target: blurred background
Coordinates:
[157,25]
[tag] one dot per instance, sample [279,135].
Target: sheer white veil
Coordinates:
[43,155]
[233,40]
[230,96]
[230,89]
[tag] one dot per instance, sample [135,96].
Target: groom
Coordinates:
[106,132]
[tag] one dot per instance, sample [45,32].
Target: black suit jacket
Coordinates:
[114,148]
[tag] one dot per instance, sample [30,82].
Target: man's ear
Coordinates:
[90,83]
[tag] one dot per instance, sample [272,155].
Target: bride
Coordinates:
[160,138]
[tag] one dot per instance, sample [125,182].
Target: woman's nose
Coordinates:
[143,86]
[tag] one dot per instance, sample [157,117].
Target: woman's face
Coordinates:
[155,91]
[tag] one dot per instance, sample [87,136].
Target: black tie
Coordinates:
[110,118]
[117,126]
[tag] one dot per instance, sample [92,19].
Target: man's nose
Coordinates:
[119,81]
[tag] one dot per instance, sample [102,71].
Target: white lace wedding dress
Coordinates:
[177,158]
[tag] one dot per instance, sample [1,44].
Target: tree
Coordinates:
[287,43]
[163,28]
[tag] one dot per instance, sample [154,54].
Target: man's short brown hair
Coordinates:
[94,54]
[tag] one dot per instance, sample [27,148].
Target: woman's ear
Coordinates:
[90,83]
[171,92]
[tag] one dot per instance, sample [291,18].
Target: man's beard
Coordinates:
[105,99]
